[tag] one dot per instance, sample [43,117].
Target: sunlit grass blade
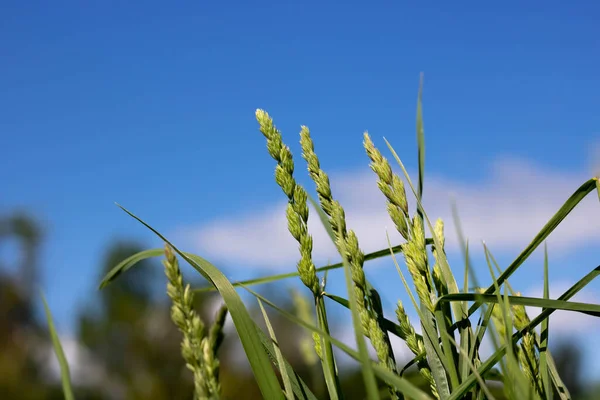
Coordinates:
[289,394]
[420,138]
[402,384]
[65,375]
[466,385]
[437,368]
[561,388]
[328,362]
[560,215]
[463,368]
[585,308]
[469,340]
[544,334]
[127,263]
[259,361]
[465,356]
[301,390]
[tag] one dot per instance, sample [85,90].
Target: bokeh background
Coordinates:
[151,105]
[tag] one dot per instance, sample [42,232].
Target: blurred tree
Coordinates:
[22,337]
[568,358]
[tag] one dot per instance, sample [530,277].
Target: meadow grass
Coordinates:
[454,321]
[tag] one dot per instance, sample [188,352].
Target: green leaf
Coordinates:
[287,384]
[468,383]
[258,359]
[402,384]
[128,263]
[328,361]
[420,137]
[585,308]
[465,356]
[301,390]
[560,215]
[544,334]
[65,376]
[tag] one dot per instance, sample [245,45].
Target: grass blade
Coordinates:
[468,383]
[277,277]
[301,390]
[328,362]
[329,368]
[127,263]
[560,215]
[402,384]
[65,375]
[289,394]
[584,308]
[467,361]
[259,362]
[420,137]
[544,334]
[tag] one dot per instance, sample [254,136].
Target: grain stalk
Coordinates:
[367,300]
[297,219]
[197,348]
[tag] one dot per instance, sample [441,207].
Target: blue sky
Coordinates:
[152,106]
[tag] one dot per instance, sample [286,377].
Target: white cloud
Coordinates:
[506,210]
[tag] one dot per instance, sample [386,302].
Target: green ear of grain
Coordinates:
[65,375]
[402,384]
[468,383]
[258,359]
[367,369]
[287,384]
[447,359]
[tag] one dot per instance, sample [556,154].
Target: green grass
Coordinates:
[454,320]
